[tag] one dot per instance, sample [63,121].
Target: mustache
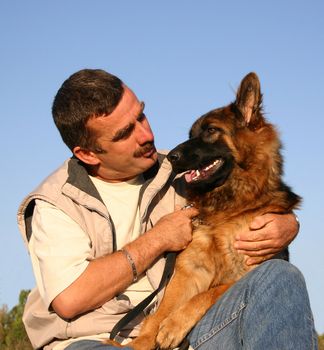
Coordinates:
[149,146]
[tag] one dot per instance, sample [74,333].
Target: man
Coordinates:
[98,228]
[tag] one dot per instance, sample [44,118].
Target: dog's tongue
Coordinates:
[190,175]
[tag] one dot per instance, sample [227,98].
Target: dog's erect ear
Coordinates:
[249,98]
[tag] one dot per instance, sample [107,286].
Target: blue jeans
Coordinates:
[267,309]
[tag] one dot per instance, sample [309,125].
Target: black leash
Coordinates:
[167,273]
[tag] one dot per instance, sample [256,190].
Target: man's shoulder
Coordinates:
[51,184]
[56,178]
[72,171]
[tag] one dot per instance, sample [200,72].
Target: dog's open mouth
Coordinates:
[204,173]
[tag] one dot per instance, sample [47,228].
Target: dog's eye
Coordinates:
[212,130]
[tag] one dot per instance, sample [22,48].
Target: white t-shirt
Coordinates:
[60,249]
[121,199]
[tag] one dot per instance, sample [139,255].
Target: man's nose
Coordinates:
[144,134]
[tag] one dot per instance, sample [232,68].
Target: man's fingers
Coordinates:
[258,248]
[189,211]
[258,253]
[253,245]
[258,260]
[251,236]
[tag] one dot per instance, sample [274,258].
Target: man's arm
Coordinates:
[268,235]
[107,276]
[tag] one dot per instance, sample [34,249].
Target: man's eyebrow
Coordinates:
[142,106]
[124,132]
[141,113]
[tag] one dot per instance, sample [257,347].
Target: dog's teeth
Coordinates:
[195,175]
[210,166]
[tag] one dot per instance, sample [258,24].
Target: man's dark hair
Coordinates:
[85,94]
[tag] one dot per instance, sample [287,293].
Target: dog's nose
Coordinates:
[174,156]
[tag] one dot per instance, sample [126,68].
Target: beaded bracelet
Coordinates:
[131,263]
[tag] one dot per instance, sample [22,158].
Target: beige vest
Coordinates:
[70,189]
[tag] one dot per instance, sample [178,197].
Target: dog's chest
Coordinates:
[229,265]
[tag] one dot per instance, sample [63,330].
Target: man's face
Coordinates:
[126,138]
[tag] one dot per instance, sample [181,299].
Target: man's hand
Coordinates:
[175,229]
[268,235]
[109,275]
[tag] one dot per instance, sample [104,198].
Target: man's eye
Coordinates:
[141,117]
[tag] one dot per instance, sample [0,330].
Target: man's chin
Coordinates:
[148,161]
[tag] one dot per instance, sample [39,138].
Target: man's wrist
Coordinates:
[131,263]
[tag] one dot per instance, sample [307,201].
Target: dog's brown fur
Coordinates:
[249,184]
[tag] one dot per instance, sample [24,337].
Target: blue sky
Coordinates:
[182,58]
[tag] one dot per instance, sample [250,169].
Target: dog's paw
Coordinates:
[143,342]
[171,333]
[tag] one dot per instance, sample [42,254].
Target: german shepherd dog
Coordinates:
[233,169]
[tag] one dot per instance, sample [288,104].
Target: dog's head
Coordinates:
[224,139]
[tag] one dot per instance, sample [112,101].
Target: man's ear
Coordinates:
[86,156]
